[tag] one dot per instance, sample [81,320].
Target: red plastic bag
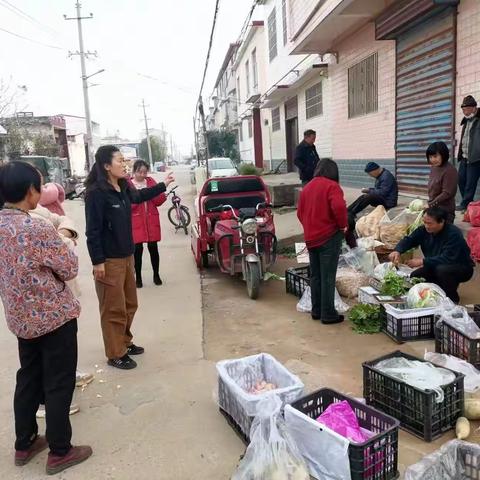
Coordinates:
[473,240]
[472,214]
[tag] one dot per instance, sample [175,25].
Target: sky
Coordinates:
[151,49]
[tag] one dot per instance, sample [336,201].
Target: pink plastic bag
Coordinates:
[340,418]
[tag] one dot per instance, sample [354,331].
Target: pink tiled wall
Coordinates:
[468,55]
[373,135]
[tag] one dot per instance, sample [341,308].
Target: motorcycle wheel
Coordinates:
[253,278]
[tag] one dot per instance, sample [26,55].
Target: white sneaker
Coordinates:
[74,408]
[83,378]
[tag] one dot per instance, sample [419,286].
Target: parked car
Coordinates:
[159,167]
[221,167]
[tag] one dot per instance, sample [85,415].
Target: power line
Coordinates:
[31,40]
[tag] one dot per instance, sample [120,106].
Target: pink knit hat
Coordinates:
[52,197]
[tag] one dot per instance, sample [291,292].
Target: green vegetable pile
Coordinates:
[365,318]
[395,285]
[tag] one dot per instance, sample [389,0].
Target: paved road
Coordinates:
[158,422]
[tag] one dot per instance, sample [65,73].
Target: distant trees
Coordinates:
[223,143]
[159,149]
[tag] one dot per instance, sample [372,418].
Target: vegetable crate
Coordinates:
[237,377]
[366,296]
[408,325]
[451,341]
[416,409]
[377,458]
[297,279]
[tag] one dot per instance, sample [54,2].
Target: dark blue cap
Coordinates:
[371,166]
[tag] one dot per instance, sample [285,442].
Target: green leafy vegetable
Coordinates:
[394,285]
[365,318]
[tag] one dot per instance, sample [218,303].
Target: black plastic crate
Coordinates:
[412,328]
[416,409]
[451,341]
[374,459]
[477,307]
[297,279]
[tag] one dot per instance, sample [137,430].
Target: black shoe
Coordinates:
[139,283]
[157,280]
[331,321]
[316,317]
[460,208]
[134,350]
[124,363]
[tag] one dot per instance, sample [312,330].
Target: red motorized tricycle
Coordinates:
[235,224]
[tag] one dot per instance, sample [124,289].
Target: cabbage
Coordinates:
[416,205]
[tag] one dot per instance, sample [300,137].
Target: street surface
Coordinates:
[160,421]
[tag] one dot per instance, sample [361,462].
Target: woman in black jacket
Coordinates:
[110,245]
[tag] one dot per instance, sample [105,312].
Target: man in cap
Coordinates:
[385,191]
[469,152]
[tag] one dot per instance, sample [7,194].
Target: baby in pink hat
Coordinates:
[53,195]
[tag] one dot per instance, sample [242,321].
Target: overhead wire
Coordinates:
[56,47]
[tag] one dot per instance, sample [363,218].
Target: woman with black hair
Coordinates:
[108,207]
[146,223]
[447,258]
[443,181]
[322,211]
[41,311]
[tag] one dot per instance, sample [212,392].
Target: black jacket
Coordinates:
[473,154]
[386,187]
[306,160]
[109,220]
[446,248]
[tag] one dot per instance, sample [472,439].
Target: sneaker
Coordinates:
[460,208]
[157,280]
[74,408]
[134,350]
[83,379]
[76,455]
[22,457]
[124,363]
[139,283]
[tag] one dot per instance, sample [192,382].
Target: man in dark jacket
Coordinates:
[384,193]
[306,156]
[469,152]
[447,260]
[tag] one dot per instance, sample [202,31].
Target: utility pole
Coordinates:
[172,154]
[150,158]
[204,128]
[86,100]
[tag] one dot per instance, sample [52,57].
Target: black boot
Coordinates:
[156,279]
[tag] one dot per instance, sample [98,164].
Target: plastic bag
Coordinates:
[367,226]
[473,214]
[392,231]
[340,418]
[422,375]
[425,295]
[361,259]
[272,454]
[304,305]
[448,463]
[458,318]
[382,269]
[473,241]
[349,281]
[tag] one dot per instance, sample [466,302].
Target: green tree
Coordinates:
[223,143]
[159,151]
[45,145]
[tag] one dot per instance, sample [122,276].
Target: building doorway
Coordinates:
[291,131]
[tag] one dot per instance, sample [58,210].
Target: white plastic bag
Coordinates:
[361,260]
[325,451]
[272,454]
[422,375]
[458,318]
[425,295]
[382,269]
[448,463]
[392,231]
[304,305]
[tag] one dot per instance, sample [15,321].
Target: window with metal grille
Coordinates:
[250,127]
[314,101]
[284,21]
[254,70]
[275,119]
[240,130]
[272,35]
[363,87]
[247,76]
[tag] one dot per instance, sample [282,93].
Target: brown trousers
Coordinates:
[117,297]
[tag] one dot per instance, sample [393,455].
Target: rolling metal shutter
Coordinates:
[425,96]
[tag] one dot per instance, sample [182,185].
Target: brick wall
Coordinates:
[371,136]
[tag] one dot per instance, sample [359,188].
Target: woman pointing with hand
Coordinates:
[111,248]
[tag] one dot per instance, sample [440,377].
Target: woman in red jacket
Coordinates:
[146,223]
[322,212]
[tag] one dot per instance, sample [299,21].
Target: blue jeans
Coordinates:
[468,177]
